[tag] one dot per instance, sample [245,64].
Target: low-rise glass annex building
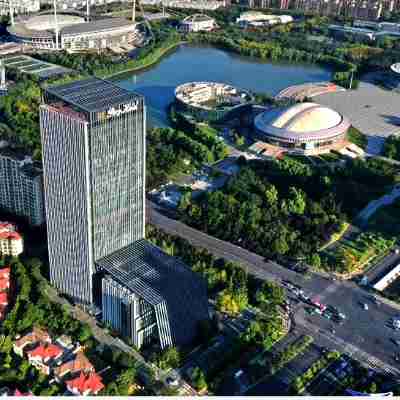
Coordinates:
[211,101]
[307,128]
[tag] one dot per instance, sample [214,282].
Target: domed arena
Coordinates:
[307,128]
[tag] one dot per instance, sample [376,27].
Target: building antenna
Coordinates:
[11,11]
[134,11]
[87,9]
[55,22]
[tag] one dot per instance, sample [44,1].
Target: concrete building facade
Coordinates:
[21,186]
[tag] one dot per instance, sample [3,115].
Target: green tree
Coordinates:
[315,260]
[170,358]
[198,379]
[280,246]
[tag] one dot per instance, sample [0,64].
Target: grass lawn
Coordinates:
[352,255]
[356,137]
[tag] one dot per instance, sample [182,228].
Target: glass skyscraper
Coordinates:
[93,139]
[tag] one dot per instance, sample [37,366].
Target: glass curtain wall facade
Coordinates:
[93,139]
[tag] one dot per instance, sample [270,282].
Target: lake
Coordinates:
[193,63]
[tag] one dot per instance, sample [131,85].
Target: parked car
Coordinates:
[310,310]
[365,306]
[316,303]
[327,314]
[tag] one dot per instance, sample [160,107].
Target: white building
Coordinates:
[19,6]
[194,4]
[21,187]
[11,243]
[198,23]
[256,18]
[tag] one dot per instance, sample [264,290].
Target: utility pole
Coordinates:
[87,9]
[11,11]
[351,80]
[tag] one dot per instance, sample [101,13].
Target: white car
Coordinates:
[365,306]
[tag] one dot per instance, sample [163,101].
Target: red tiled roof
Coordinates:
[3,298]
[46,351]
[86,384]
[10,235]
[37,335]
[79,363]
[5,272]
[4,283]
[18,393]
[7,225]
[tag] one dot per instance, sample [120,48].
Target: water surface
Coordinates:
[189,63]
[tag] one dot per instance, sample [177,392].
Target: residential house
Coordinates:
[85,385]
[11,243]
[37,335]
[79,364]
[44,356]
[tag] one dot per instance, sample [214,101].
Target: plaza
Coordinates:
[370,108]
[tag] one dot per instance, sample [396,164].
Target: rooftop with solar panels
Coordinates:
[90,95]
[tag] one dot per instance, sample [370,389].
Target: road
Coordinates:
[364,332]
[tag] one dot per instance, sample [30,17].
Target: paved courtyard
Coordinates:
[371,109]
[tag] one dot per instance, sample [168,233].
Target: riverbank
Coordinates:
[150,60]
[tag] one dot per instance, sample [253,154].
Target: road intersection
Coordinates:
[365,334]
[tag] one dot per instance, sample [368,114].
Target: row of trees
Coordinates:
[301,381]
